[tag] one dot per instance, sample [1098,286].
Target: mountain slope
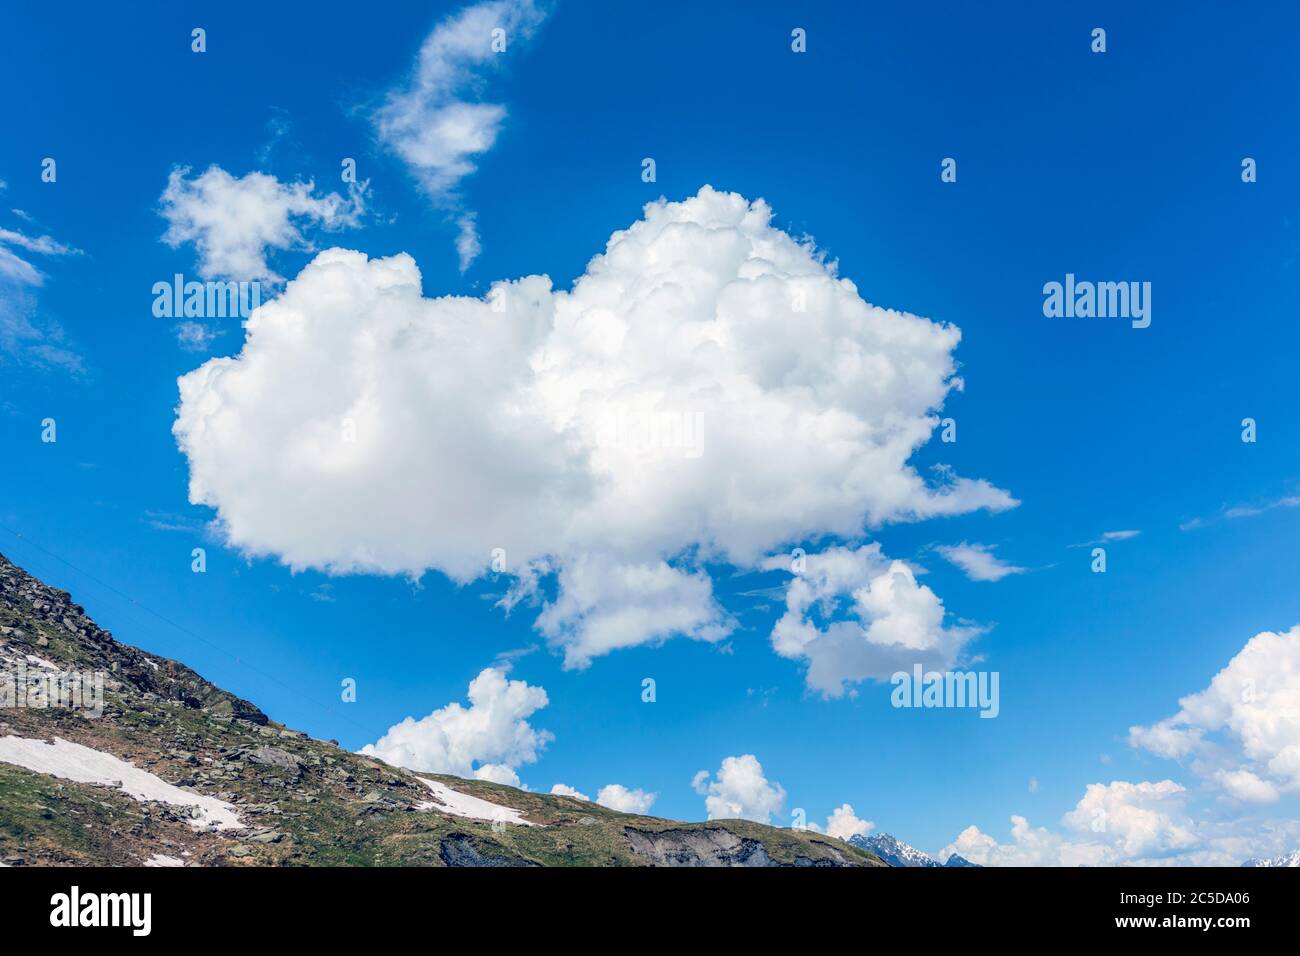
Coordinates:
[177,771]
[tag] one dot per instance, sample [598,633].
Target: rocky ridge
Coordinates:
[298,801]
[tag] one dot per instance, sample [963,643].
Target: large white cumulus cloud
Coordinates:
[708,390]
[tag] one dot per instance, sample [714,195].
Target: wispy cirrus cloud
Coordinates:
[172,522]
[1236,512]
[1251,511]
[978,561]
[25,336]
[436,122]
[16,269]
[1108,537]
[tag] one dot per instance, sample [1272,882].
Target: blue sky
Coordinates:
[1117,166]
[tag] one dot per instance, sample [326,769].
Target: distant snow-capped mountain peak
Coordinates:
[893,851]
[897,853]
[1287,859]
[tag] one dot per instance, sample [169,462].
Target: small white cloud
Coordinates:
[488,740]
[436,123]
[564,790]
[844,823]
[1108,537]
[891,621]
[323,594]
[620,798]
[497,773]
[195,336]
[602,606]
[467,242]
[978,561]
[233,223]
[1246,786]
[432,122]
[739,791]
[167,521]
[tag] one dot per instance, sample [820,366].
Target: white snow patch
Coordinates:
[447,800]
[159,860]
[42,662]
[70,761]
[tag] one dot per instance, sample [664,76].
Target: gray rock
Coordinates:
[275,757]
[459,849]
[697,846]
